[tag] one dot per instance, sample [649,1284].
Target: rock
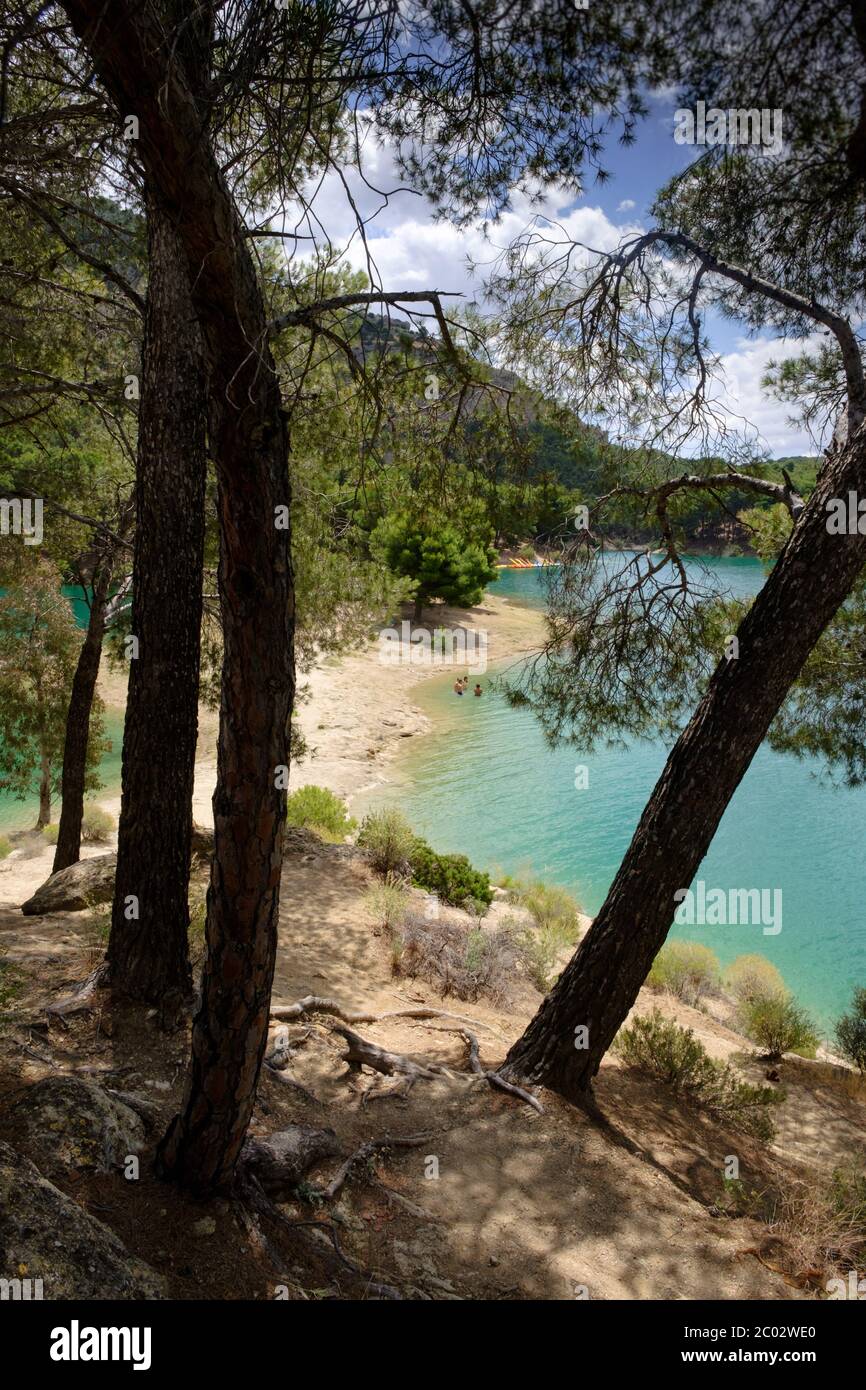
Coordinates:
[202,841]
[205,1227]
[91,881]
[46,1235]
[66,1122]
[280,1161]
[84,884]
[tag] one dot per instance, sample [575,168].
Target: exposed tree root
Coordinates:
[83,996]
[361,1052]
[256,1204]
[284,1079]
[372,1146]
[278,1163]
[493,1078]
[314,1004]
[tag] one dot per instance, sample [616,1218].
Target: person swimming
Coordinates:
[458,687]
[477,690]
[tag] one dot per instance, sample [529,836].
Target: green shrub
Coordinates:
[388,839]
[388,903]
[552,907]
[539,951]
[779,1025]
[851,1031]
[687,969]
[556,918]
[96,824]
[5,846]
[319,810]
[753,977]
[662,1049]
[450,876]
[51,832]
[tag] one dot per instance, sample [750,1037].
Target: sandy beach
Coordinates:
[355,711]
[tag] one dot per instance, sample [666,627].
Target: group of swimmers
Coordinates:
[461,685]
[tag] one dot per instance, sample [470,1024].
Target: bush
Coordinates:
[851,1031]
[687,969]
[51,832]
[659,1047]
[388,839]
[465,962]
[553,908]
[753,977]
[539,951]
[450,876]
[96,824]
[779,1025]
[5,846]
[556,916]
[388,903]
[319,810]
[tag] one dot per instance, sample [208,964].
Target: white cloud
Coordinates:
[739,390]
[411,250]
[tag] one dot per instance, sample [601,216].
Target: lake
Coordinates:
[486,783]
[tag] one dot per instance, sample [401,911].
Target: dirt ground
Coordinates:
[496,1201]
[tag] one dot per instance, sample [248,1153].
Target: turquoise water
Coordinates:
[18,815]
[485,782]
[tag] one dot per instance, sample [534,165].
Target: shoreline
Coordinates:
[353,711]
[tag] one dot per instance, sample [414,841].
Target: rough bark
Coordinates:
[44,817]
[148,954]
[813,576]
[148,75]
[77,735]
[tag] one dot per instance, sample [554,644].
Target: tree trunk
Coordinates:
[148,951]
[144,73]
[68,849]
[419,608]
[44,817]
[812,577]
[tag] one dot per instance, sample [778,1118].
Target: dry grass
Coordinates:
[456,959]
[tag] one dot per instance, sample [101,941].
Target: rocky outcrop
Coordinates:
[66,1122]
[45,1235]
